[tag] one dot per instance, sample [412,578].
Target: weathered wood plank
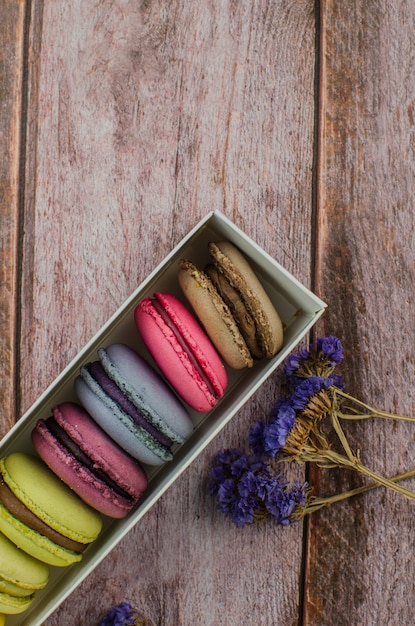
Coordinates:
[11,76]
[143,117]
[360,553]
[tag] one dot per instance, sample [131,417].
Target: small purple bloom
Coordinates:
[121,615]
[294,362]
[293,498]
[243,512]
[308,388]
[226,495]
[331,348]
[266,439]
[281,502]
[338,380]
[252,490]
[256,438]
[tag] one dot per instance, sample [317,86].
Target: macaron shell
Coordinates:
[118,426]
[20,573]
[235,266]
[13,605]
[83,482]
[35,544]
[214,315]
[33,483]
[107,455]
[147,390]
[102,450]
[173,360]
[14,590]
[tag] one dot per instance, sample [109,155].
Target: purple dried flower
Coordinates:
[294,361]
[276,432]
[236,479]
[251,493]
[317,361]
[307,388]
[331,348]
[121,615]
[266,439]
[337,380]
[256,438]
[282,501]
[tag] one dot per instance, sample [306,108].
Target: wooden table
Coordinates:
[122,124]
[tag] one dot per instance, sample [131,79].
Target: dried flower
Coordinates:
[320,361]
[246,490]
[293,420]
[122,615]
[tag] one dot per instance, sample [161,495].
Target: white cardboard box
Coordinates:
[299,309]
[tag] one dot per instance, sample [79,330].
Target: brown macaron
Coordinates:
[233,306]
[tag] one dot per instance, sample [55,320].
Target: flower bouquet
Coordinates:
[249,487]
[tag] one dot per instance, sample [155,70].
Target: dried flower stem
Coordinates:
[340,433]
[330,458]
[370,412]
[316,503]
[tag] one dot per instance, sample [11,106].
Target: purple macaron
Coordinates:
[133,404]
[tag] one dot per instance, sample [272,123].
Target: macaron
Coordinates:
[182,350]
[77,450]
[42,515]
[20,577]
[232,306]
[133,405]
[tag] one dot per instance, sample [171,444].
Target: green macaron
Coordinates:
[20,577]
[41,515]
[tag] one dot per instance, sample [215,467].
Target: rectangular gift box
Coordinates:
[299,309]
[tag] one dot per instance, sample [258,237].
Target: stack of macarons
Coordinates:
[232,306]
[236,321]
[127,417]
[41,515]
[182,350]
[42,523]
[90,464]
[94,452]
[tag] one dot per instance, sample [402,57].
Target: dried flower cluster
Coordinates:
[247,490]
[248,487]
[122,615]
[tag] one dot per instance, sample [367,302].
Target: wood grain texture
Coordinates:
[143,117]
[11,75]
[359,565]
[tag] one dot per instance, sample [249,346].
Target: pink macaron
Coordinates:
[182,350]
[84,457]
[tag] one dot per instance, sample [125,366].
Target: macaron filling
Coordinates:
[237,270]
[115,393]
[123,409]
[213,390]
[233,298]
[150,416]
[74,449]
[17,509]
